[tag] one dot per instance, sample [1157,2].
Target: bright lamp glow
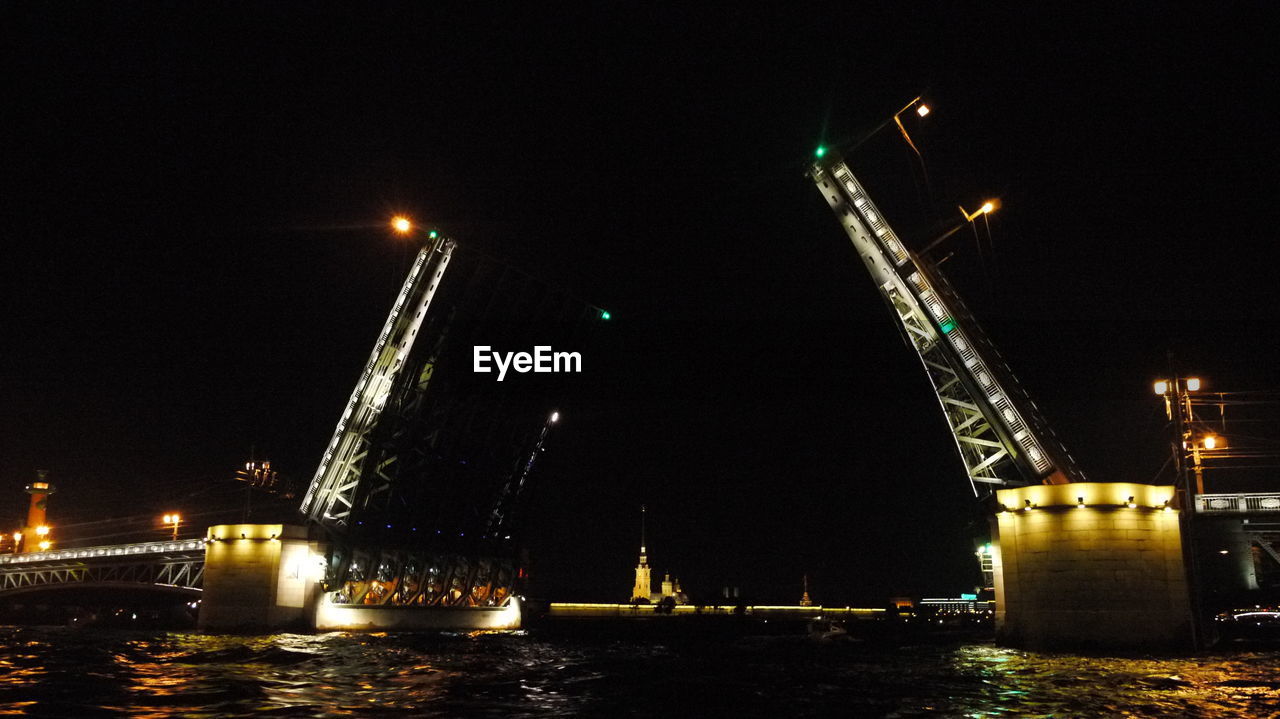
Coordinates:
[555,417]
[401,224]
[986,208]
[1193,384]
[922,110]
[42,530]
[1162,387]
[1210,442]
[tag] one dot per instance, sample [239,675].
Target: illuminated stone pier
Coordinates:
[1090,565]
[260,576]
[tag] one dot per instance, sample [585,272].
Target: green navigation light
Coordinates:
[604,315]
[433,234]
[820,151]
[947,326]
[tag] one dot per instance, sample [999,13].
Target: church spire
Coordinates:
[643,588]
[642,552]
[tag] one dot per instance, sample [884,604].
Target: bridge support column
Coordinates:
[1090,565]
[260,577]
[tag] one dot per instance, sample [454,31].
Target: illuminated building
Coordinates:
[642,591]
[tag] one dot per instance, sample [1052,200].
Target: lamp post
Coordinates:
[173,520]
[987,208]
[1187,445]
[921,109]
[1177,406]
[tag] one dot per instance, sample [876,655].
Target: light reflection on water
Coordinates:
[76,673]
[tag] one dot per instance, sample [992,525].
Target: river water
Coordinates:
[89,673]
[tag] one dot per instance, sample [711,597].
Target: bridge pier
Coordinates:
[1090,565]
[260,576]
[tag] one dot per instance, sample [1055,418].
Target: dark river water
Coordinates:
[89,673]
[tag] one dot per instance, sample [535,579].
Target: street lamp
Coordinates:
[404,226]
[921,110]
[987,208]
[1177,407]
[174,519]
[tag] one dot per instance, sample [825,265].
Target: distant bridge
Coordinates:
[173,565]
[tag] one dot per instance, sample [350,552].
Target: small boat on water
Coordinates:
[826,630]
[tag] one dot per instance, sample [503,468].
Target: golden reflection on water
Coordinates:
[74,673]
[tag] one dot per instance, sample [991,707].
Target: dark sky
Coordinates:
[195,260]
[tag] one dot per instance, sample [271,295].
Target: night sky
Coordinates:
[196,260]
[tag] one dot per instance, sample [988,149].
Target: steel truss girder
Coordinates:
[997,430]
[172,571]
[419,578]
[330,498]
[979,447]
[1264,542]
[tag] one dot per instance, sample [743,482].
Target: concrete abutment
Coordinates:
[1090,565]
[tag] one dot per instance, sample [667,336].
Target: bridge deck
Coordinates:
[172,565]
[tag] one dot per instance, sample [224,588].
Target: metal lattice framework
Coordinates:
[1000,435]
[390,577]
[419,488]
[176,565]
[331,495]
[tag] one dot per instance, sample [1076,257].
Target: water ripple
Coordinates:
[63,673]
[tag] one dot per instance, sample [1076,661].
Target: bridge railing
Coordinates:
[1237,503]
[114,550]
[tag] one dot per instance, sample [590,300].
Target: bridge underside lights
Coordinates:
[1090,565]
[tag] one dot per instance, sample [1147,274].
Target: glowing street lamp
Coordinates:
[921,109]
[401,224]
[987,208]
[1187,447]
[174,519]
